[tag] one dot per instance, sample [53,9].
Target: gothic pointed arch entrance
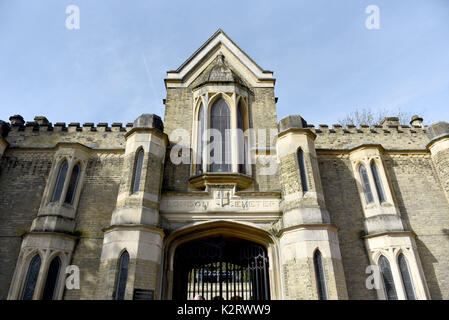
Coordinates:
[221,268]
[221,261]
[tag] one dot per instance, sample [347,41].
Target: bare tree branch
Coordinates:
[365,116]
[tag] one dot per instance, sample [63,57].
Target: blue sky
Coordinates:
[324,59]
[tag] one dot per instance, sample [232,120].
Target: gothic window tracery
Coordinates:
[378,182]
[406,277]
[387,279]
[31,278]
[200,137]
[365,184]
[122,276]
[320,276]
[73,182]
[137,171]
[302,170]
[60,180]
[221,122]
[52,279]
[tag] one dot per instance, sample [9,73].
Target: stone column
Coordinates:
[135,221]
[306,222]
[439,148]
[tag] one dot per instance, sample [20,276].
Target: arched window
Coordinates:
[241,139]
[365,184]
[138,171]
[387,279]
[52,279]
[378,182]
[319,274]
[221,121]
[31,278]
[302,170]
[406,277]
[70,195]
[122,276]
[60,182]
[199,166]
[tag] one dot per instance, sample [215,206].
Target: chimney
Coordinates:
[390,122]
[16,119]
[40,120]
[416,121]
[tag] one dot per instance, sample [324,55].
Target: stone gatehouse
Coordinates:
[222,201]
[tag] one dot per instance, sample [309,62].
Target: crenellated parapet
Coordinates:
[42,133]
[389,135]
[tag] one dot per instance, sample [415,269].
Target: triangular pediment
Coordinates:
[236,59]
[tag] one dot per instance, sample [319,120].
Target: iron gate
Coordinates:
[221,269]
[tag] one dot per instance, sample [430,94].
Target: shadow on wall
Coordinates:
[344,206]
[428,260]
[97,202]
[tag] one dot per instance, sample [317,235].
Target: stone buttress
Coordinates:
[439,148]
[135,221]
[306,225]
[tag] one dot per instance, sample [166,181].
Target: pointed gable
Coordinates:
[218,72]
[236,59]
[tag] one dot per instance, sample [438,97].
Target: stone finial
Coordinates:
[148,120]
[220,58]
[292,122]
[41,120]
[4,128]
[416,121]
[16,119]
[438,129]
[390,122]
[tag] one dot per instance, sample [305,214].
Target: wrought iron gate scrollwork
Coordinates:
[221,269]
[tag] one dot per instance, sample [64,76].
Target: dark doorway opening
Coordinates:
[221,268]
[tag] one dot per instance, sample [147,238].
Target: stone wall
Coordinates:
[422,206]
[23,176]
[97,202]
[396,137]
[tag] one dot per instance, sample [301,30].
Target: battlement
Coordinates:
[34,126]
[43,133]
[389,136]
[337,128]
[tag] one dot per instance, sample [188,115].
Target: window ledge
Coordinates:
[200,181]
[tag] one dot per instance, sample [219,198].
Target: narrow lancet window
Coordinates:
[366,185]
[60,180]
[378,182]
[241,140]
[220,123]
[52,279]
[320,276]
[302,171]
[122,276]
[31,278]
[387,279]
[138,171]
[406,277]
[71,190]
[199,162]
